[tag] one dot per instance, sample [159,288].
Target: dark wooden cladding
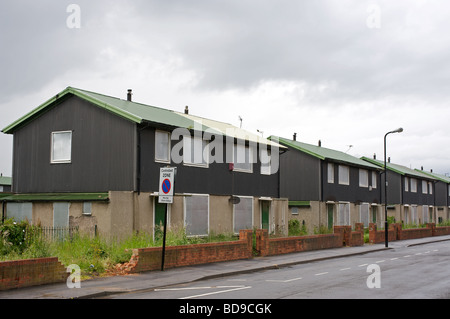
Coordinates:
[103,151]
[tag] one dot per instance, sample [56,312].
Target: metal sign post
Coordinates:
[166,186]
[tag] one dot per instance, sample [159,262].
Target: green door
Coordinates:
[330,209]
[265,212]
[160,212]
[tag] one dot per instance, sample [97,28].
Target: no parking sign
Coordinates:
[166,184]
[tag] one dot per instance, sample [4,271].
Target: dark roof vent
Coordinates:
[186,110]
[295,136]
[320,143]
[129,95]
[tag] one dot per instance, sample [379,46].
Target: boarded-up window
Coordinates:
[162,146]
[344,214]
[344,175]
[19,211]
[243,214]
[196,215]
[61,214]
[364,210]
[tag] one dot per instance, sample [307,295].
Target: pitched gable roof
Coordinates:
[324,153]
[399,169]
[139,113]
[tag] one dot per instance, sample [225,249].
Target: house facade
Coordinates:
[326,187]
[411,195]
[90,160]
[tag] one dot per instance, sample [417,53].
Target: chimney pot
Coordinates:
[374,156]
[186,110]
[129,95]
[320,143]
[295,136]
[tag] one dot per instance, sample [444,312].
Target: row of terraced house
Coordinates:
[92,161]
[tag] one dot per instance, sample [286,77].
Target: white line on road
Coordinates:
[394,258]
[284,281]
[217,292]
[321,274]
[363,265]
[344,269]
[380,261]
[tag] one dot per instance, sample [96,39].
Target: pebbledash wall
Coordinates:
[127,212]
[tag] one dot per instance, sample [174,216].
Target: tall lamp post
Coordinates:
[386,236]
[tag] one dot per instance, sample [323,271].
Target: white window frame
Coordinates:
[62,160]
[265,155]
[330,172]
[236,152]
[189,158]
[236,231]
[430,188]
[374,180]
[344,171]
[406,184]
[413,185]
[185,214]
[424,187]
[160,133]
[363,178]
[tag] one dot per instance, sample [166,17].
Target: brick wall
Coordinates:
[31,272]
[397,233]
[342,236]
[147,259]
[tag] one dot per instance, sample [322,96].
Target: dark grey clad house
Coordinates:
[327,187]
[86,159]
[411,193]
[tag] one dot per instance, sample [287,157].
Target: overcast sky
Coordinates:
[344,72]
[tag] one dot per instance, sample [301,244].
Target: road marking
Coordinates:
[380,261]
[344,269]
[418,254]
[406,256]
[284,281]
[394,258]
[363,265]
[321,274]
[217,292]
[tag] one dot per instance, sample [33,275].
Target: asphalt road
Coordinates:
[419,272]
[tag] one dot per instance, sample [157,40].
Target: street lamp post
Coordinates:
[386,236]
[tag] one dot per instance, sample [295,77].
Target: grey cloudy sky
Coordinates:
[345,72]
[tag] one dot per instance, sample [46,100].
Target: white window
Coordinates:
[196,215]
[363,178]
[374,179]
[243,158]
[406,184]
[87,209]
[195,151]
[344,214]
[1,188]
[424,187]
[243,214]
[430,188]
[266,161]
[344,175]
[413,185]
[331,173]
[364,210]
[61,150]
[162,146]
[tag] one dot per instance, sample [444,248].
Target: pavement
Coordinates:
[101,287]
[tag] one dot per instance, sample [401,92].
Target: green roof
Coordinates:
[399,169]
[324,153]
[139,113]
[442,178]
[5,181]
[57,197]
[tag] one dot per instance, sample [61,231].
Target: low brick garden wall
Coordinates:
[31,272]
[396,232]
